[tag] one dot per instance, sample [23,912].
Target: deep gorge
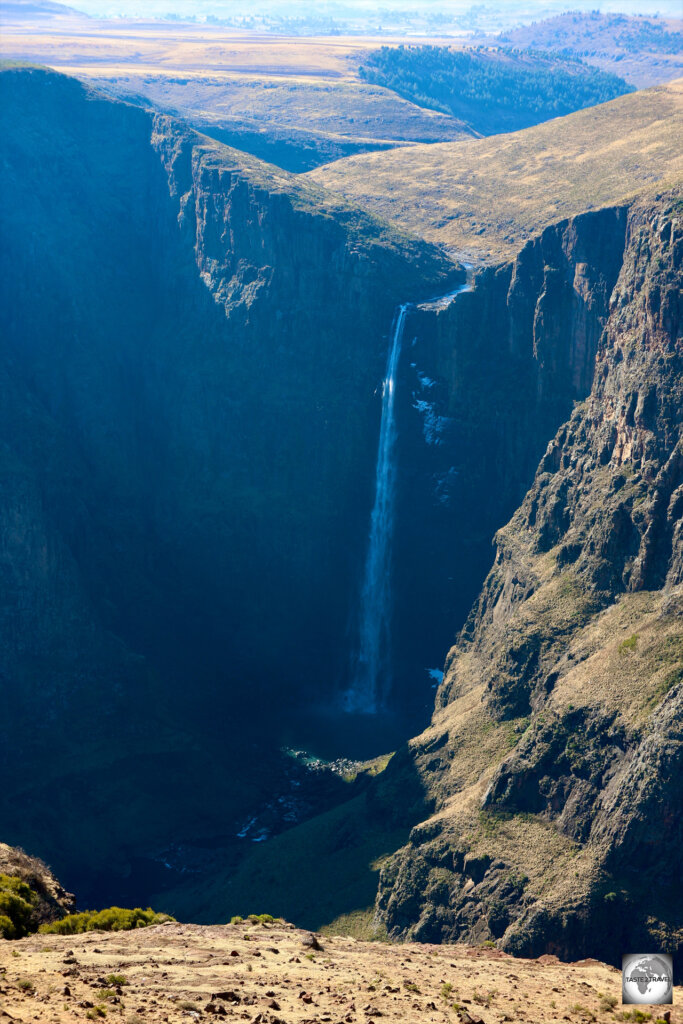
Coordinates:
[192,348]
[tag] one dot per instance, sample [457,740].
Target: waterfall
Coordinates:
[371,669]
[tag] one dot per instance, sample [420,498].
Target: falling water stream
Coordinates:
[371,680]
[365,696]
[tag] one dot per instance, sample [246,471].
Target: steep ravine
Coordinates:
[479,393]
[192,343]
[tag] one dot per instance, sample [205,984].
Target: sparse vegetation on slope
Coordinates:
[17,906]
[492,90]
[30,895]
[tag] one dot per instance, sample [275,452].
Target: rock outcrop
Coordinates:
[553,762]
[49,900]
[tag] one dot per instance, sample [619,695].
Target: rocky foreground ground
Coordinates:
[277,974]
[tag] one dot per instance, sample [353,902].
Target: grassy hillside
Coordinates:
[295,121]
[486,197]
[491,90]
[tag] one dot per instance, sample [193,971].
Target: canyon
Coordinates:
[193,349]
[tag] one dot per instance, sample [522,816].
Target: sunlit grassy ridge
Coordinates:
[488,196]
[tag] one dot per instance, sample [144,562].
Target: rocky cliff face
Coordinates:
[552,766]
[488,380]
[191,345]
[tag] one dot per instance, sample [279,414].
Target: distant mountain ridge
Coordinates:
[644,50]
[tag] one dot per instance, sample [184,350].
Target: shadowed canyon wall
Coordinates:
[191,342]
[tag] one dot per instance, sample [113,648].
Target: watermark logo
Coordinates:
[647,978]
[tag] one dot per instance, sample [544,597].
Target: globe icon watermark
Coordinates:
[647,978]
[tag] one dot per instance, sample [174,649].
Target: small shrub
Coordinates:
[26,986]
[236,920]
[629,645]
[116,979]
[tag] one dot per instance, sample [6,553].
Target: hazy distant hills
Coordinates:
[36,10]
[642,50]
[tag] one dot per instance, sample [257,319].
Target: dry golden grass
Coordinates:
[214,76]
[105,48]
[487,196]
[266,973]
